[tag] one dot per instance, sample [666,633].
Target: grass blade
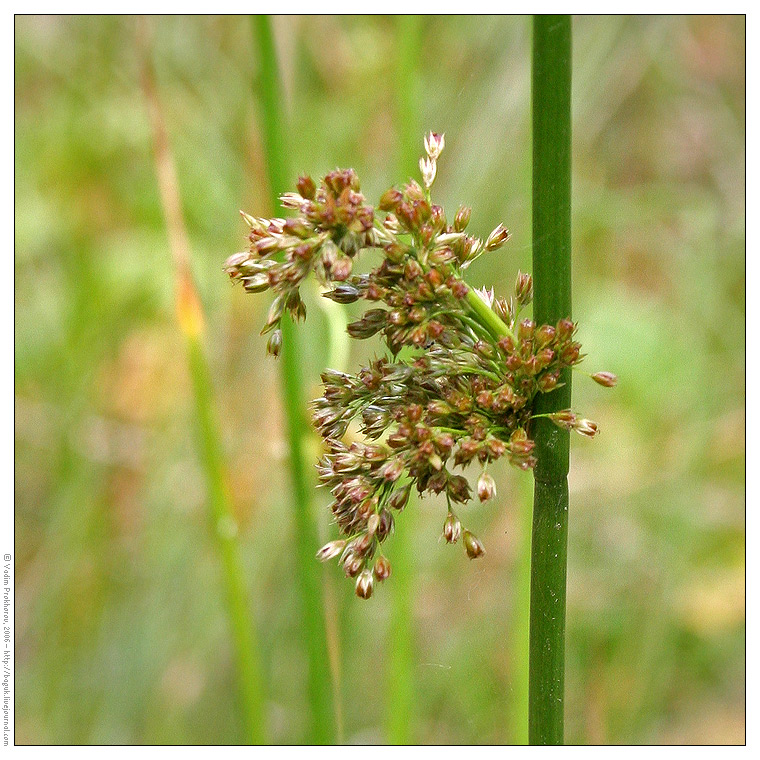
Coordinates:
[191,321]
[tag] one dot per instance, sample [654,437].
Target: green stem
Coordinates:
[321,717]
[488,317]
[551,302]
[400,703]
[224,527]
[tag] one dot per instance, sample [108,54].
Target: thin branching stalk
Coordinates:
[275,136]
[551,284]
[400,705]
[191,321]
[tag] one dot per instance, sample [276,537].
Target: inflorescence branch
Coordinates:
[463,390]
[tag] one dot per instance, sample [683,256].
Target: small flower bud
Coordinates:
[382,568]
[428,167]
[526,329]
[565,419]
[497,238]
[472,545]
[452,528]
[589,428]
[545,335]
[565,329]
[462,219]
[434,144]
[328,551]
[306,186]
[392,469]
[364,584]
[400,497]
[390,199]
[524,288]
[486,486]
[607,379]
[343,293]
[274,344]
[373,523]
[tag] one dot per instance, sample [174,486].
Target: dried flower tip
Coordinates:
[589,428]
[249,220]
[524,288]
[328,551]
[486,486]
[382,568]
[607,379]
[292,200]
[274,344]
[364,584]
[428,167]
[497,238]
[472,545]
[434,144]
[452,528]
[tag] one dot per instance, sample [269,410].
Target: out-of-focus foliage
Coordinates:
[121,635]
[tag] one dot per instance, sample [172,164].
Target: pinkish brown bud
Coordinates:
[524,288]
[565,329]
[462,218]
[382,568]
[486,486]
[545,335]
[400,497]
[390,199]
[565,419]
[497,238]
[472,545]
[306,186]
[364,584]
[607,379]
[452,528]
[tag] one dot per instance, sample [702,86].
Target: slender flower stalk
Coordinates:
[400,700]
[284,341]
[221,514]
[552,303]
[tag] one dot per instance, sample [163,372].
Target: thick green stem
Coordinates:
[400,703]
[552,301]
[309,571]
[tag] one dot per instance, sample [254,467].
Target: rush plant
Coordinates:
[461,373]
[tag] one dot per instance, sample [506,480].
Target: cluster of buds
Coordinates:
[334,223]
[464,391]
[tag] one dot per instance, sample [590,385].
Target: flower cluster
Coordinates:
[461,393]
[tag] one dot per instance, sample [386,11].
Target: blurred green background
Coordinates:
[120,627]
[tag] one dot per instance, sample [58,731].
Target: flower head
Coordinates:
[452,388]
